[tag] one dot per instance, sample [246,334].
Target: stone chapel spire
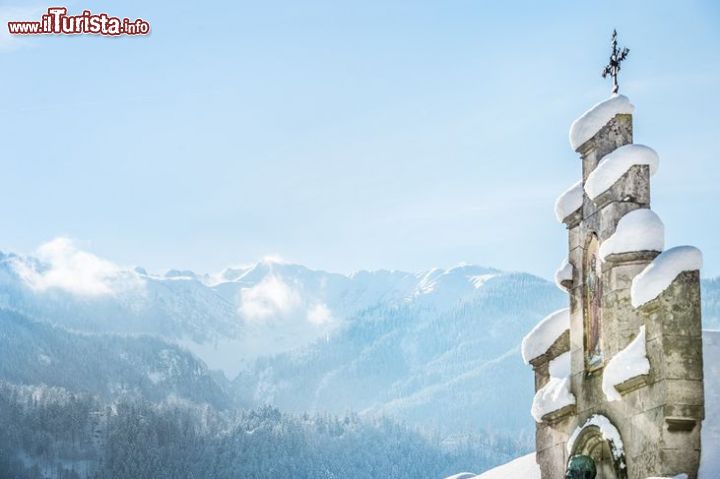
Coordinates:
[618,374]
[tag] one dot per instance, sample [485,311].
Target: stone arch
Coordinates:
[599,439]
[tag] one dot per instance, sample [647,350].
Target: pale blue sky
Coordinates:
[347,135]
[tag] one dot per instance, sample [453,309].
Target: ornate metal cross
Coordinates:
[616,57]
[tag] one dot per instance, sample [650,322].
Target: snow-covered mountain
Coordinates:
[106,366]
[446,358]
[437,348]
[77,290]
[242,313]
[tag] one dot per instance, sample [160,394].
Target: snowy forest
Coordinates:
[45,433]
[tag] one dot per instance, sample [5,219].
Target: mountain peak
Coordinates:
[180,274]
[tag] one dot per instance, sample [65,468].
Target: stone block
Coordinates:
[575,238]
[654,351]
[617,132]
[682,357]
[633,187]
[682,391]
[630,386]
[683,417]
[552,462]
[646,428]
[549,436]
[611,213]
[644,463]
[681,438]
[677,310]
[652,396]
[677,461]
[576,329]
[542,374]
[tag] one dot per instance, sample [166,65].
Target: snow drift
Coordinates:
[596,117]
[569,201]
[556,394]
[544,334]
[626,364]
[639,230]
[663,270]
[615,164]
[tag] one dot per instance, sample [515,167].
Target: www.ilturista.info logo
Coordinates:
[58,22]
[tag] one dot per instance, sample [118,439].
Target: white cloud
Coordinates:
[319,314]
[60,265]
[270,298]
[274,259]
[281,315]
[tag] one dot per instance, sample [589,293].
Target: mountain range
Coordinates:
[437,349]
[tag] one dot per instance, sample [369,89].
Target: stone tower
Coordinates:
[619,374]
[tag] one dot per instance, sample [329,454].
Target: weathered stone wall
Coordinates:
[674,346]
[659,416]
[552,434]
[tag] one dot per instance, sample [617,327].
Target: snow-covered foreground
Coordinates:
[522,468]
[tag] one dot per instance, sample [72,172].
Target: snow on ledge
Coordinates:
[569,202]
[596,117]
[608,431]
[659,275]
[629,363]
[638,230]
[563,273]
[679,476]
[544,334]
[556,394]
[615,164]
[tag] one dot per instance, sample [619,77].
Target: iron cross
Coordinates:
[616,57]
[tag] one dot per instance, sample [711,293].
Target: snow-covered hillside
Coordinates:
[226,318]
[238,314]
[447,357]
[106,366]
[439,348]
[521,468]
[381,342]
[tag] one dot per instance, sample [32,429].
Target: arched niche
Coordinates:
[600,440]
